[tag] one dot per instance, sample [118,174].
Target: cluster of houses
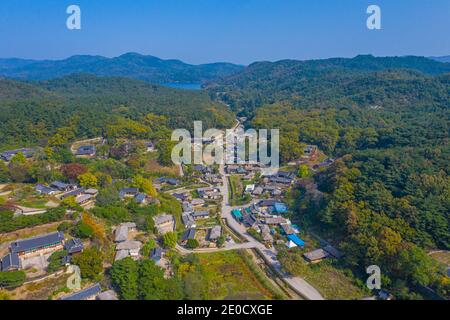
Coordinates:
[21,250]
[164,223]
[272,186]
[63,190]
[134,193]
[209,193]
[207,174]
[190,218]
[265,217]
[210,240]
[125,245]
[159,183]
[247,171]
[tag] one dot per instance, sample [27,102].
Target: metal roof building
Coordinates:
[10,262]
[86,294]
[188,234]
[215,233]
[37,243]
[73,246]
[86,151]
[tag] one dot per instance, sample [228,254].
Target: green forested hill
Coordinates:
[132,65]
[32,112]
[363,80]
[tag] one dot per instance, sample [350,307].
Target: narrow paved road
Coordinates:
[270,255]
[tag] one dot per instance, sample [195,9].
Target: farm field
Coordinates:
[223,275]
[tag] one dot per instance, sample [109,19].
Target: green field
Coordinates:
[332,282]
[221,275]
[237,196]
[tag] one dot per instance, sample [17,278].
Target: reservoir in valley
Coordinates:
[185,86]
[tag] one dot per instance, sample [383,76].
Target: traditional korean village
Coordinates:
[91,216]
[214,158]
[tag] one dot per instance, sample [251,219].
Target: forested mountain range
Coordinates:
[31,112]
[442,59]
[132,65]
[363,81]
[386,121]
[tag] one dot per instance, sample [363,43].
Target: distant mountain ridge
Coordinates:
[362,80]
[445,59]
[131,65]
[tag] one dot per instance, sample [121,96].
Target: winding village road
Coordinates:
[270,254]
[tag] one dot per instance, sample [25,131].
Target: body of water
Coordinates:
[185,86]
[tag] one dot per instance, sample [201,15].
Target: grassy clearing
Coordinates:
[26,196]
[237,196]
[221,276]
[331,281]
[154,168]
[42,290]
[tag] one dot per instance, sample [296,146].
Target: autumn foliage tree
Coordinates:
[72,170]
[88,180]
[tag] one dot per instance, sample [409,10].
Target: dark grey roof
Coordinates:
[85,294]
[10,262]
[44,189]
[197,214]
[180,196]
[188,234]
[286,174]
[333,251]
[187,207]
[140,197]
[215,233]
[249,220]
[171,181]
[267,203]
[85,150]
[315,255]
[59,185]
[8,155]
[66,260]
[74,193]
[281,180]
[187,219]
[123,192]
[326,163]
[73,246]
[156,254]
[37,242]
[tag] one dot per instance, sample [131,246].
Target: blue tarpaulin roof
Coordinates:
[237,213]
[280,207]
[295,239]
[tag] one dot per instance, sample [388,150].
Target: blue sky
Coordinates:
[239,31]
